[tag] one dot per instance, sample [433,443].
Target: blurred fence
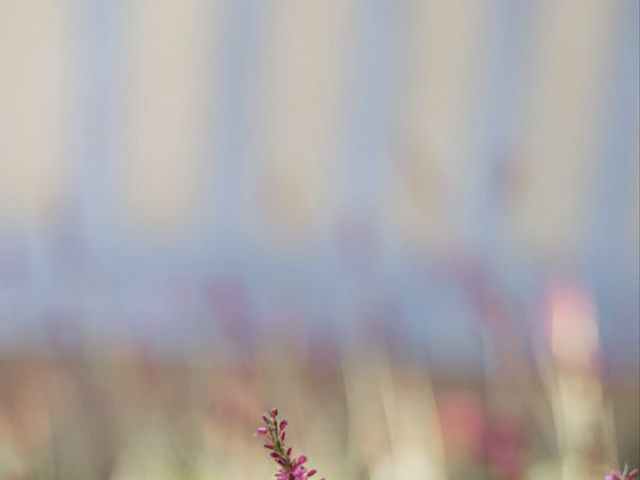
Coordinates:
[314,148]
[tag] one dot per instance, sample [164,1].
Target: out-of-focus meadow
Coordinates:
[412,225]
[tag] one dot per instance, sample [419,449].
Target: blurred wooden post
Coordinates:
[163,123]
[438,88]
[301,106]
[561,130]
[36,107]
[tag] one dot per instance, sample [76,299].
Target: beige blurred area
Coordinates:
[411,225]
[442,58]
[563,125]
[37,117]
[304,60]
[164,110]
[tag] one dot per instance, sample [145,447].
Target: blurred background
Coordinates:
[412,225]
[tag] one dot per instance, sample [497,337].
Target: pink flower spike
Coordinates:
[289,468]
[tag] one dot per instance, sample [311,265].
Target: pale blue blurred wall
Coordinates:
[84,256]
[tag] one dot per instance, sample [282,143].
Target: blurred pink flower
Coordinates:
[462,421]
[468,431]
[626,475]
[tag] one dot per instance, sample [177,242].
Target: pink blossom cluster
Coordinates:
[624,475]
[291,468]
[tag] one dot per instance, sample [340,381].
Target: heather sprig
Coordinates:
[291,468]
[624,475]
